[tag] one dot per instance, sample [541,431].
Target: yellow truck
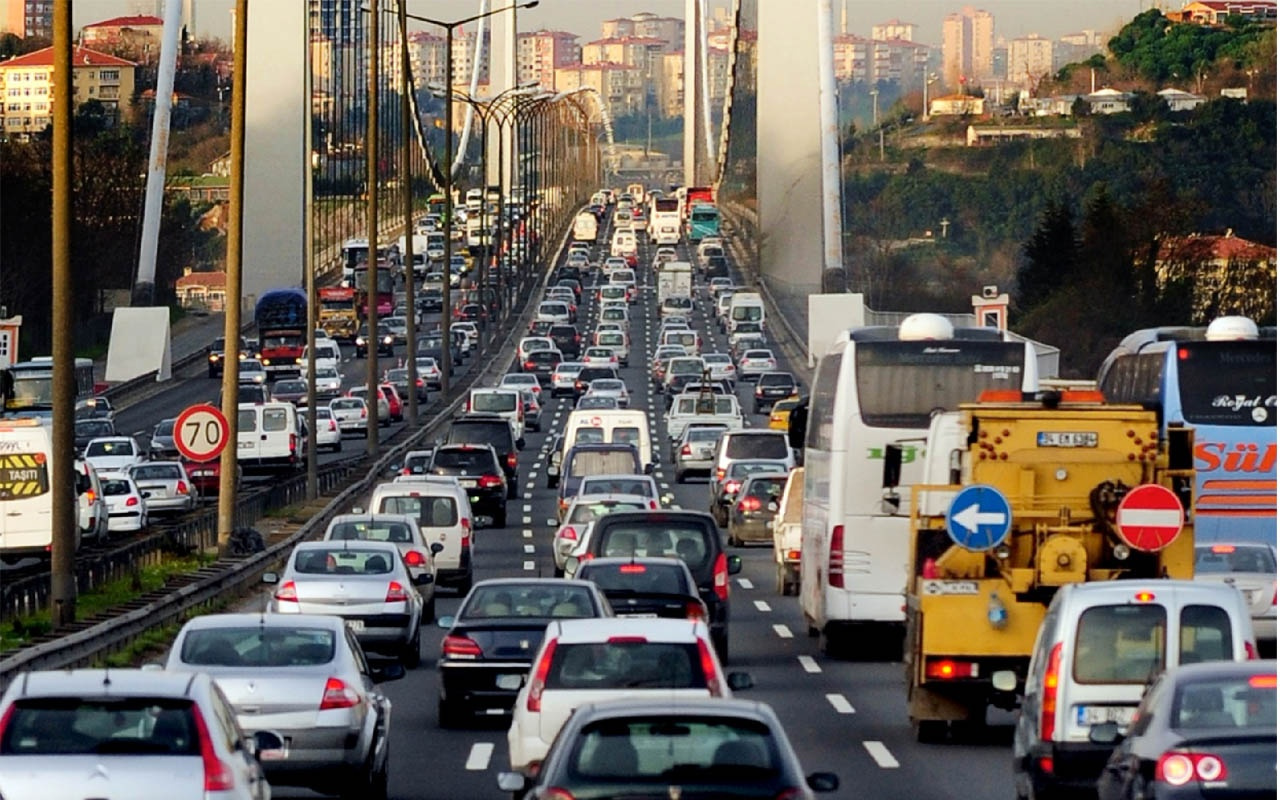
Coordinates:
[1025,495]
[337,312]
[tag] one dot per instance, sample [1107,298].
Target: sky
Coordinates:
[1013,18]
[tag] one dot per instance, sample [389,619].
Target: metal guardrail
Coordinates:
[83,646]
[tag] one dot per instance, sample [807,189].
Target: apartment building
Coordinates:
[26,86]
[27,18]
[646,25]
[1030,58]
[895,29]
[621,87]
[540,53]
[874,60]
[968,47]
[136,37]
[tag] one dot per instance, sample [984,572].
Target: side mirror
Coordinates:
[425,579]
[265,745]
[357,510]
[436,548]
[772,506]
[648,468]
[735,564]
[571,565]
[270,578]
[391,672]
[823,781]
[445,622]
[512,782]
[740,680]
[394,469]
[1105,733]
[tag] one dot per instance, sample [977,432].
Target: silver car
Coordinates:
[562,378]
[328,382]
[166,486]
[401,530]
[367,584]
[696,450]
[144,735]
[610,387]
[303,678]
[351,413]
[1251,568]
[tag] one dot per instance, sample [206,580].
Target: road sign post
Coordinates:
[1149,517]
[979,517]
[200,433]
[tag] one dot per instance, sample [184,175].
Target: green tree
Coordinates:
[1052,256]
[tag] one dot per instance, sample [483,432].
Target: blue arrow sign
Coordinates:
[979,518]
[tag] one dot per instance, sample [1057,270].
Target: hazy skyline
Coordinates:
[1013,18]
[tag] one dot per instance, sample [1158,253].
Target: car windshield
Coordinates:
[541,600]
[67,726]
[1219,559]
[721,750]
[345,560]
[705,434]
[291,387]
[626,665]
[372,530]
[258,646]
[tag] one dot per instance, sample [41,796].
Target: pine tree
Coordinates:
[1051,257]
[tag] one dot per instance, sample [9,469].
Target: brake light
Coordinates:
[694,611]
[293,443]
[539,681]
[709,670]
[490,481]
[835,558]
[749,504]
[653,505]
[337,694]
[466,532]
[288,592]
[529,365]
[719,473]
[556,793]
[132,501]
[459,647]
[415,558]
[513,459]
[568,532]
[687,450]
[945,669]
[396,593]
[759,392]
[333,426]
[1049,701]
[364,412]
[632,569]
[1178,769]
[182,488]
[731,487]
[92,496]
[218,777]
[721,580]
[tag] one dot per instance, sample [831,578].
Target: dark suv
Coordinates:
[217,352]
[589,374]
[691,536]
[772,387]
[493,430]
[542,363]
[480,474]
[386,344]
[567,339]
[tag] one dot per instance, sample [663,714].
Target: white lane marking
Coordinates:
[762,606]
[530,485]
[664,486]
[746,583]
[528,549]
[881,755]
[526,520]
[783,631]
[526,533]
[528,565]
[840,704]
[808,664]
[478,758]
[527,508]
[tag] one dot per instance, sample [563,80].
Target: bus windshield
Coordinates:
[901,384]
[1228,383]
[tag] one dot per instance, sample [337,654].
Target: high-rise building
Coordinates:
[968,47]
[464,56]
[646,26]
[27,18]
[427,59]
[540,53]
[1030,58]
[875,60]
[894,29]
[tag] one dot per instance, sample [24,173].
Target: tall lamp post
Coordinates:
[446,306]
[929,78]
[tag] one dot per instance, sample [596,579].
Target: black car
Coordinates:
[589,374]
[717,267]
[386,342]
[691,536]
[399,378]
[471,312]
[486,655]
[542,363]
[430,301]
[217,352]
[646,587]
[1202,730]
[89,429]
[574,284]
[492,430]
[568,340]
[433,346]
[480,473]
[772,387]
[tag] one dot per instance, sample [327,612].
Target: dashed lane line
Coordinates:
[527,533]
[479,757]
[528,565]
[839,703]
[761,605]
[783,631]
[808,664]
[528,549]
[746,583]
[881,755]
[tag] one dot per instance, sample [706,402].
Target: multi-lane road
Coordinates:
[846,716]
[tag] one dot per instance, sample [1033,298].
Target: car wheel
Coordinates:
[513,491]
[929,731]
[679,476]
[447,716]
[412,655]
[500,518]
[428,612]
[722,647]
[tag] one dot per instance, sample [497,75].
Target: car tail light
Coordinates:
[396,593]
[415,558]
[749,504]
[92,496]
[364,413]
[632,569]
[539,682]
[1049,698]
[513,459]
[721,577]
[1180,768]
[218,777]
[132,501]
[337,694]
[686,450]
[288,592]
[653,505]
[694,611]
[556,793]
[709,671]
[466,532]
[490,481]
[835,558]
[568,532]
[719,473]
[529,365]
[333,426]
[459,647]
[759,391]
[1250,651]
[182,488]
[731,487]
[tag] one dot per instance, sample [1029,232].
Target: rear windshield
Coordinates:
[601,462]
[547,599]
[371,530]
[589,512]
[115,487]
[431,512]
[757,445]
[496,433]
[1220,559]
[777,379]
[493,402]
[1235,702]
[468,461]
[657,578]
[255,646]
[737,752]
[768,490]
[110,449]
[545,357]
[275,419]
[610,339]
[670,539]
[345,560]
[615,485]
[102,427]
[626,665]
[705,434]
[1126,643]
[65,726]
[157,472]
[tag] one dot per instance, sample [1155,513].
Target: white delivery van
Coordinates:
[585,227]
[443,512]
[675,279]
[610,425]
[745,307]
[270,438]
[26,505]
[623,245]
[787,529]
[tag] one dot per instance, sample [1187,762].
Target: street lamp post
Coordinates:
[928,79]
[446,309]
[875,108]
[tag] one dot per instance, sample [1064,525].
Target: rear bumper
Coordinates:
[749,530]
[474,687]
[313,756]
[1071,766]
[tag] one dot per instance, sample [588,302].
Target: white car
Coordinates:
[328,432]
[529,344]
[599,357]
[328,382]
[621,484]
[521,380]
[556,311]
[384,405]
[610,387]
[429,371]
[471,329]
[593,660]
[755,363]
[126,507]
[720,367]
[252,371]
[113,453]
[328,356]
[352,414]
[579,516]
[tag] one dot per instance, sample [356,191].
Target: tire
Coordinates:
[412,655]
[679,476]
[722,647]
[513,489]
[428,612]
[929,731]
[500,519]
[447,716]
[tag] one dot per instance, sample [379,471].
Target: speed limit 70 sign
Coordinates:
[200,433]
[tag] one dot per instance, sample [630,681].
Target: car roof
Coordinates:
[232,620]
[602,629]
[363,544]
[107,682]
[374,517]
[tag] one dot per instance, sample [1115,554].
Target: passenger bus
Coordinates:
[385,291]
[876,386]
[1220,381]
[31,394]
[704,221]
[355,253]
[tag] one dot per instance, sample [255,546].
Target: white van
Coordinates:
[623,245]
[744,307]
[328,356]
[610,425]
[443,512]
[1100,645]
[619,342]
[689,340]
[506,403]
[270,438]
[26,507]
[788,525]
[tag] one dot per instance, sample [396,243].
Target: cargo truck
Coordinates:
[675,279]
[281,315]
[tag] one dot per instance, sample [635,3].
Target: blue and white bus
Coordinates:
[704,222]
[1220,381]
[876,386]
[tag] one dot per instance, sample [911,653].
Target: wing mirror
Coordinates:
[270,578]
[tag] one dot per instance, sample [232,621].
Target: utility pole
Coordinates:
[62,577]
[371,273]
[228,464]
[406,157]
[313,299]
[446,291]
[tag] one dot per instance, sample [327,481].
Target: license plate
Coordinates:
[467,484]
[635,615]
[1096,715]
[356,625]
[275,755]
[1066,439]
[244,446]
[510,683]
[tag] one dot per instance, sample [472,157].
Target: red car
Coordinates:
[207,476]
[393,400]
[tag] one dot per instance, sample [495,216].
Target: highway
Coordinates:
[844,716]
